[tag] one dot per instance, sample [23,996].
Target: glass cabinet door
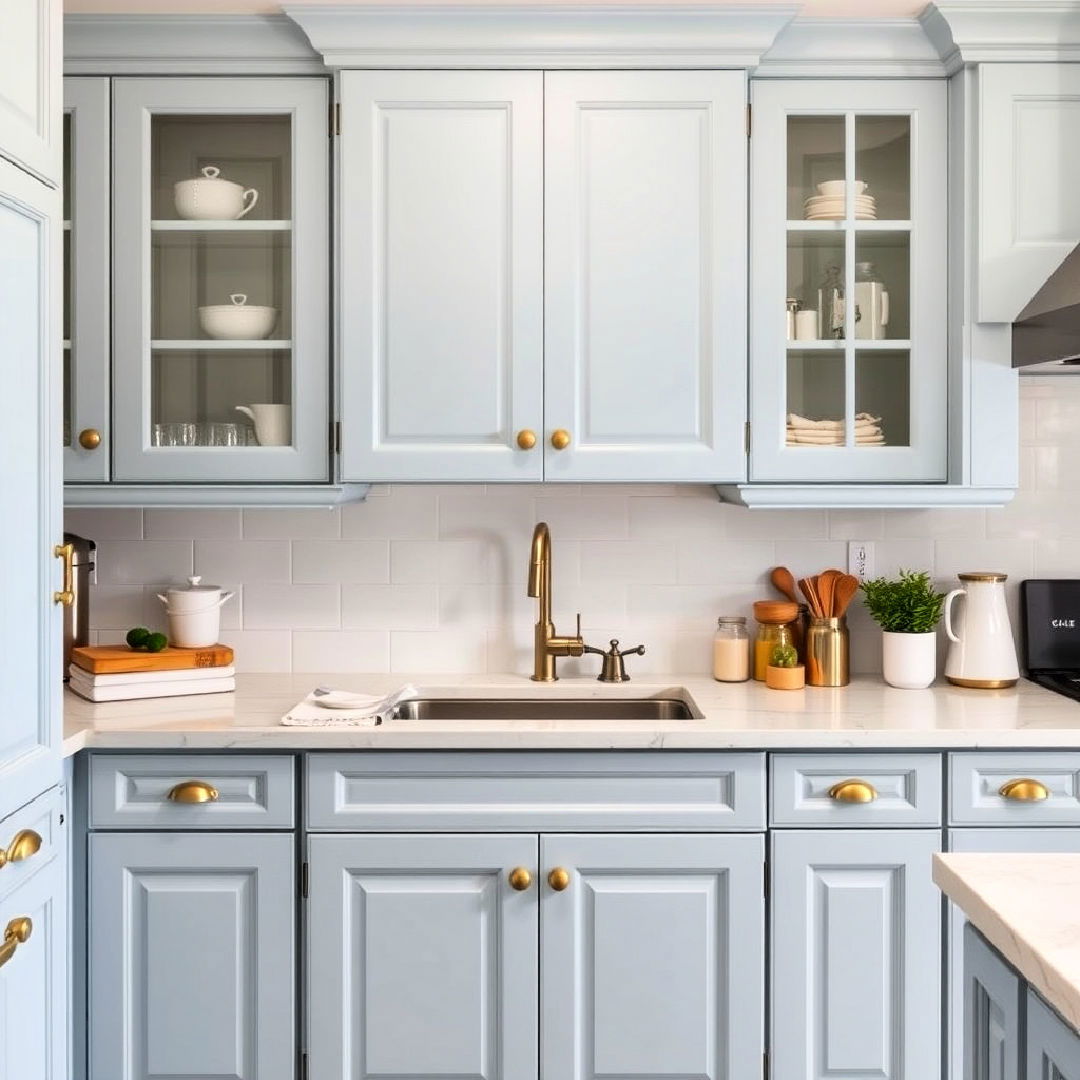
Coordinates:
[86,280]
[220,270]
[848,336]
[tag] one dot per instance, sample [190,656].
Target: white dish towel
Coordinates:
[369,710]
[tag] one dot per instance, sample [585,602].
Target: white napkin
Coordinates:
[365,710]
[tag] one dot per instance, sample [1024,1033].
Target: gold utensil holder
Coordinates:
[828,661]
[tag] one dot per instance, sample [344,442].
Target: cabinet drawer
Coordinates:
[498,792]
[30,839]
[902,790]
[976,783]
[252,792]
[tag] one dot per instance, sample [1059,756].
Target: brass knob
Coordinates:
[560,438]
[526,439]
[853,791]
[89,438]
[520,879]
[559,879]
[25,843]
[194,791]
[66,595]
[1024,789]
[17,933]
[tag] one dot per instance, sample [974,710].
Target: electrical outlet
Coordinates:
[860,559]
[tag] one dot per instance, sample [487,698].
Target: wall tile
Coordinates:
[161,523]
[266,652]
[938,524]
[98,525]
[117,607]
[703,562]
[249,561]
[662,518]
[137,562]
[586,517]
[403,513]
[329,651]
[439,651]
[642,561]
[805,558]
[345,561]
[432,561]
[291,524]
[856,524]
[292,607]
[390,607]
[770,524]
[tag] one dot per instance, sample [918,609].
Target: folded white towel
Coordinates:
[802,440]
[363,710]
[834,436]
[862,419]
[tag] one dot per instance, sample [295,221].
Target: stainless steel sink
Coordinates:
[434,709]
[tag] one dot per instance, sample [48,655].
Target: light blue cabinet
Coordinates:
[1053,1048]
[856,954]
[993,1013]
[191,956]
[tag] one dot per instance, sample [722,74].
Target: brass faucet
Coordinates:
[547,644]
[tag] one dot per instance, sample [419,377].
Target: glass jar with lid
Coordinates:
[731,649]
[775,619]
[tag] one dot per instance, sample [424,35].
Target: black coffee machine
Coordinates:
[1050,625]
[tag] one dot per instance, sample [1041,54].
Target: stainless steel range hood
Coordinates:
[1046,334]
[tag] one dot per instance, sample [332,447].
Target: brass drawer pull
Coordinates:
[853,791]
[1024,789]
[526,439]
[17,933]
[66,595]
[520,879]
[559,879]
[194,791]
[25,843]
[89,438]
[560,438]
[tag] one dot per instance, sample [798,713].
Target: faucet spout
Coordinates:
[547,644]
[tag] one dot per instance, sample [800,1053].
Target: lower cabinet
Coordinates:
[856,954]
[1053,1048]
[191,956]
[992,1013]
[512,956]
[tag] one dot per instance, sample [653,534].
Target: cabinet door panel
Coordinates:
[645,274]
[992,1010]
[856,923]
[653,957]
[30,93]
[422,959]
[441,262]
[30,237]
[1053,1048]
[191,956]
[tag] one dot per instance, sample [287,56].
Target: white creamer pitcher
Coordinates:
[982,653]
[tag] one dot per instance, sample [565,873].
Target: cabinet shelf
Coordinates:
[860,344]
[217,345]
[841,224]
[183,225]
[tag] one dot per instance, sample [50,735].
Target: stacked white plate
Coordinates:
[833,207]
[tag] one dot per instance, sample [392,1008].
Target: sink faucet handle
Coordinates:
[613,669]
[640,649]
[578,635]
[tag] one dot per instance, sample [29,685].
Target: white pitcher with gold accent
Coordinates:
[982,653]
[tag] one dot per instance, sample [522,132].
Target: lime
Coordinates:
[156,642]
[138,637]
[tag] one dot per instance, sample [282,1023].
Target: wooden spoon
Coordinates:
[784,583]
[824,586]
[846,587]
[809,591]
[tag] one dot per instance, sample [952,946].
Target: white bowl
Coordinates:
[839,187]
[238,321]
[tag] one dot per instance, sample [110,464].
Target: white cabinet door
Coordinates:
[30,86]
[856,955]
[422,959]
[645,275]
[653,957]
[30,245]
[441,223]
[33,977]
[1028,160]
[191,957]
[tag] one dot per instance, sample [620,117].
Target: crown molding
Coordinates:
[1013,31]
[653,35]
[852,48]
[187,45]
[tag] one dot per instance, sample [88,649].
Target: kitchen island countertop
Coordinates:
[865,715]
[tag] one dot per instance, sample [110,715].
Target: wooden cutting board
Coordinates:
[112,659]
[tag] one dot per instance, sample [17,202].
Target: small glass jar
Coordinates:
[774,619]
[731,650]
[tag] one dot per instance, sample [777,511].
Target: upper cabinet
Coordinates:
[30,87]
[849,369]
[221,363]
[545,275]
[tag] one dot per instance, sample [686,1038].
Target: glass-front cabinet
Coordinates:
[86,424]
[849,278]
[221,222]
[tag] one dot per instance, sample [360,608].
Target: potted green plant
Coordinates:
[907,609]
[784,672]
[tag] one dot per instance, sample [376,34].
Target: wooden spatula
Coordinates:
[810,592]
[825,583]
[844,592]
[784,583]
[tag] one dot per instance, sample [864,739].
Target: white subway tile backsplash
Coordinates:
[432,577]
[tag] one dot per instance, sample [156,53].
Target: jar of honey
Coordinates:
[775,619]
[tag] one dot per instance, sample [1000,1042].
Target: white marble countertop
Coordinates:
[865,714]
[1025,906]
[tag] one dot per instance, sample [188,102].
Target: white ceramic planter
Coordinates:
[909,661]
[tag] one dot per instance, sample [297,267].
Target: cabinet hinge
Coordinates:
[335,118]
[764,1066]
[304,884]
[749,119]
[746,437]
[303,1065]
[335,436]
[765,881]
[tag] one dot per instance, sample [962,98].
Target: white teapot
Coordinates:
[210,198]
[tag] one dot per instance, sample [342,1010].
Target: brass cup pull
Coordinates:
[1024,789]
[520,879]
[194,791]
[560,438]
[17,933]
[853,791]
[66,595]
[25,843]
[89,438]
[559,879]
[526,439]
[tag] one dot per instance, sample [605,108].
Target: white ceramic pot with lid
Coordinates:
[210,197]
[194,612]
